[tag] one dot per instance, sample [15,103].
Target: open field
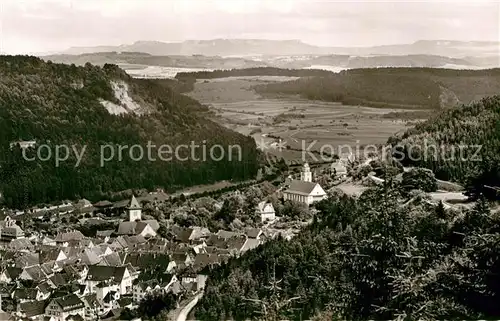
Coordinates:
[145,71]
[296,121]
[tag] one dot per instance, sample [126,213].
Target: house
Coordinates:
[338,169]
[254,233]
[26,295]
[65,237]
[199,246]
[107,293]
[77,272]
[120,275]
[45,240]
[58,280]
[135,224]
[104,235]
[169,279]
[203,260]
[24,260]
[22,244]
[93,308]
[112,259]
[249,244]
[60,309]
[44,289]
[266,211]
[33,310]
[52,255]
[84,206]
[304,191]
[227,234]
[23,144]
[178,261]
[143,228]
[9,230]
[143,288]
[10,274]
[34,273]
[103,205]
[127,242]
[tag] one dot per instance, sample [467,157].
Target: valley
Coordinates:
[299,122]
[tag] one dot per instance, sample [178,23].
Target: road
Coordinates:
[187,309]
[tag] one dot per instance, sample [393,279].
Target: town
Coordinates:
[79,260]
[260,160]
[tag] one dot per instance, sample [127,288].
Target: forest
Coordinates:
[383,256]
[56,104]
[460,144]
[410,88]
[258,71]
[389,254]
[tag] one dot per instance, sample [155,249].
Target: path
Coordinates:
[187,309]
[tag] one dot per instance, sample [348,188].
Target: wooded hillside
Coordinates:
[57,104]
[412,88]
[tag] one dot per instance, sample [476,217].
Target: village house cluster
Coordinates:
[72,277]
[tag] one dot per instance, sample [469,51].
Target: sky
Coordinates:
[40,26]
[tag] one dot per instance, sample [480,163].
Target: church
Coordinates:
[304,190]
[135,225]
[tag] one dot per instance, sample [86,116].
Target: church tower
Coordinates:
[306,174]
[134,210]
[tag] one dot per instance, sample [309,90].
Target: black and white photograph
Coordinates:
[269,160]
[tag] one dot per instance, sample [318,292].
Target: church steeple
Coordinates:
[134,210]
[306,174]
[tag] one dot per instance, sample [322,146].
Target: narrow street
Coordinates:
[184,312]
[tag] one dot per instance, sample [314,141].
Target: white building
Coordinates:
[306,174]
[9,230]
[134,210]
[135,224]
[339,169]
[304,191]
[266,211]
[59,309]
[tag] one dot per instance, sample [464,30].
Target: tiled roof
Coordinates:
[253,232]
[25,294]
[104,273]
[301,187]
[134,204]
[112,259]
[20,244]
[135,228]
[35,272]
[27,259]
[69,236]
[32,309]
[227,234]
[69,302]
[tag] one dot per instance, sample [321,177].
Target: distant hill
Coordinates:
[137,60]
[412,88]
[146,59]
[245,47]
[57,104]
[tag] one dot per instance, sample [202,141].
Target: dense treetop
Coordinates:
[461,144]
[420,88]
[60,104]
